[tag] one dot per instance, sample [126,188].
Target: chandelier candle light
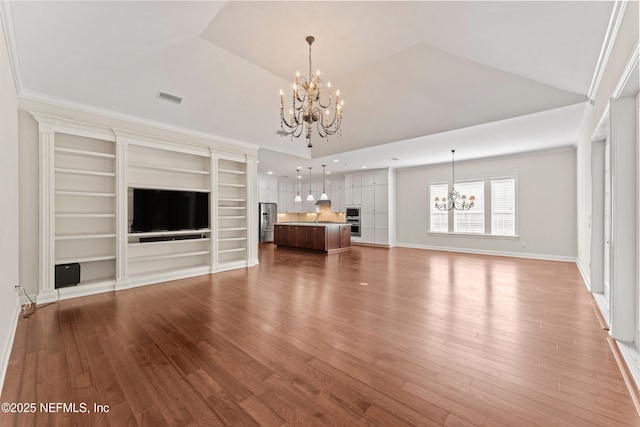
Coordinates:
[454,201]
[308,107]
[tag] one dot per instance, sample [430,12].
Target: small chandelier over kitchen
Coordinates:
[324,193]
[454,201]
[298,198]
[308,107]
[310,196]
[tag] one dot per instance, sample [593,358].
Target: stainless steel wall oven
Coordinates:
[353,218]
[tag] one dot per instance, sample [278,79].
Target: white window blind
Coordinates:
[503,207]
[471,221]
[438,220]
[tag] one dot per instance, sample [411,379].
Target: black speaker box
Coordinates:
[67,275]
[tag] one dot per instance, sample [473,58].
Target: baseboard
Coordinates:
[8,346]
[485,252]
[583,272]
[233,265]
[628,360]
[152,279]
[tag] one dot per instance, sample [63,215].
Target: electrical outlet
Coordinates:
[523,244]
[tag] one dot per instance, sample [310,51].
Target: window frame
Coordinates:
[487,209]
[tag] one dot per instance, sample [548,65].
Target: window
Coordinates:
[503,207]
[493,213]
[471,221]
[439,220]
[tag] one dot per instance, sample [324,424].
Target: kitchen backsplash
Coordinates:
[325,215]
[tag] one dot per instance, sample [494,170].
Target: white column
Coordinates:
[46,217]
[122,213]
[252,211]
[213,210]
[623,218]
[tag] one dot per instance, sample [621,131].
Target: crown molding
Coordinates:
[628,69]
[6,17]
[110,114]
[617,15]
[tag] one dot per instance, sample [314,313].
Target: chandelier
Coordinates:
[308,108]
[454,201]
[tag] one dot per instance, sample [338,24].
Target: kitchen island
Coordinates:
[327,237]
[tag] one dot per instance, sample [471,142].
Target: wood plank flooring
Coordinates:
[373,336]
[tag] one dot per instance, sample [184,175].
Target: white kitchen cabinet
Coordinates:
[381,198]
[267,189]
[374,199]
[368,179]
[337,195]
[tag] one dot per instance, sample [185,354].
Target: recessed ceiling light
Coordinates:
[364,167]
[269,173]
[328,172]
[336,160]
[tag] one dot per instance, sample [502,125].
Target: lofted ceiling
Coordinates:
[418,78]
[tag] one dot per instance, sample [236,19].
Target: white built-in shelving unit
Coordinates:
[157,253]
[232,212]
[87,177]
[84,206]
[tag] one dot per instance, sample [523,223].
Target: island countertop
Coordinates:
[327,237]
[321,224]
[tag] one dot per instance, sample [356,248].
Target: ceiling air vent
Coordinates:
[168,97]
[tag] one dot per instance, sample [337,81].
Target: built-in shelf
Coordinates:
[232,200]
[232,228]
[83,193]
[227,251]
[84,236]
[237,172]
[169,233]
[168,242]
[232,239]
[228,184]
[85,259]
[168,169]
[167,256]
[85,172]
[233,217]
[231,207]
[166,187]
[85,215]
[84,153]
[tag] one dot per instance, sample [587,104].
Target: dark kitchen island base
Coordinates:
[328,237]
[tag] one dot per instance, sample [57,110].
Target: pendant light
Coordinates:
[454,201]
[298,198]
[324,193]
[310,196]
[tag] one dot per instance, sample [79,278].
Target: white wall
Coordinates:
[546,212]
[9,243]
[625,42]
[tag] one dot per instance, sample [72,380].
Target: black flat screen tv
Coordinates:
[169,210]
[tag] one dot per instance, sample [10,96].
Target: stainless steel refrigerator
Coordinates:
[268,216]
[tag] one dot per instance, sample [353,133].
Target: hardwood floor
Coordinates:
[373,336]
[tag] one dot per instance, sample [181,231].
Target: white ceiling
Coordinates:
[418,78]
